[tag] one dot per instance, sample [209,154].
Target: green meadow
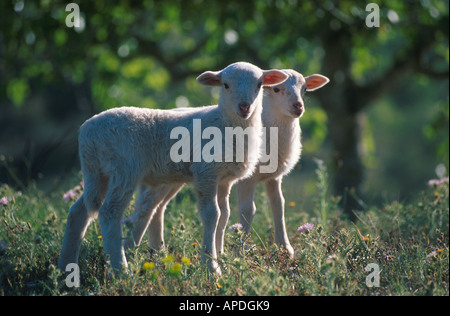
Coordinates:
[400,248]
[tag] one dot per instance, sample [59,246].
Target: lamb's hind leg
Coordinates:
[81,214]
[156,229]
[145,205]
[150,204]
[246,196]
[110,215]
[77,223]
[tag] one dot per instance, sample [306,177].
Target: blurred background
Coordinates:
[381,126]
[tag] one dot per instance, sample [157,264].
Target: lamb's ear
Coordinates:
[315,82]
[273,77]
[210,78]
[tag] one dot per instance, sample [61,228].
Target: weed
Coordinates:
[407,241]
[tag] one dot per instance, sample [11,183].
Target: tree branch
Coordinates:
[172,65]
[409,59]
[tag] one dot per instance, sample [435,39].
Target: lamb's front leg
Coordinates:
[223,195]
[209,213]
[275,194]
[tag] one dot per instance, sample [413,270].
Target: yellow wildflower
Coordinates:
[174,269]
[147,266]
[168,259]
[186,261]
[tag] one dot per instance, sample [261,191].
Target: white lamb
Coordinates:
[125,147]
[282,106]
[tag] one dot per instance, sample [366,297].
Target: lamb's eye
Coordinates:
[276,90]
[226,86]
[304,89]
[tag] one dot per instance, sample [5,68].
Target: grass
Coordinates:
[408,241]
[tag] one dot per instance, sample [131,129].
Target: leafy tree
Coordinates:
[148,53]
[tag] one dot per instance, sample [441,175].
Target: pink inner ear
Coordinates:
[209,78]
[314,82]
[212,81]
[274,78]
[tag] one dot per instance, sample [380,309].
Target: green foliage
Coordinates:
[322,187]
[148,54]
[17,91]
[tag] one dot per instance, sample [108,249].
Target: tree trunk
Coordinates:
[348,169]
[342,103]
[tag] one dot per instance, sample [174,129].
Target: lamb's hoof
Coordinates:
[287,250]
[290,251]
[213,266]
[214,269]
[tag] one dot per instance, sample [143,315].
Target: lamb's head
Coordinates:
[241,85]
[287,98]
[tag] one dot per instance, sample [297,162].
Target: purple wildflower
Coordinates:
[305,227]
[73,194]
[69,195]
[4,200]
[437,182]
[235,227]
